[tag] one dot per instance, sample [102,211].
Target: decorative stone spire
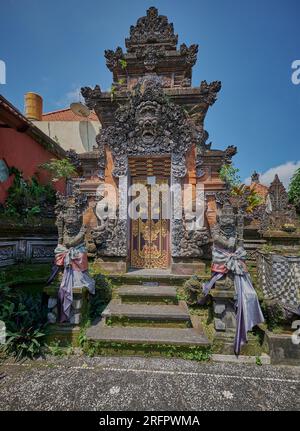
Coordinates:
[255,177]
[278,195]
[152,29]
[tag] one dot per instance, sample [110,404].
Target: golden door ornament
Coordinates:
[149,246]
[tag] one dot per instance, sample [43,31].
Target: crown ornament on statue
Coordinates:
[227,214]
[72,205]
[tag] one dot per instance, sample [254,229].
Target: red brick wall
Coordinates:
[22,152]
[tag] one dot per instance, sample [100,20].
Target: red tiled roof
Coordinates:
[67,115]
[260,189]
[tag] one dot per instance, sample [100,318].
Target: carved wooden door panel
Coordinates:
[150,233]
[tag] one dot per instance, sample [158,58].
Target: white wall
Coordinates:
[78,135]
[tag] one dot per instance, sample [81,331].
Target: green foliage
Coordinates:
[277,318]
[102,296]
[24,317]
[60,169]
[27,198]
[123,63]
[294,189]
[114,88]
[193,290]
[253,199]
[26,342]
[230,175]
[258,361]
[55,349]
[193,353]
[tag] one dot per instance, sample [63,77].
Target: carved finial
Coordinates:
[152,28]
[255,177]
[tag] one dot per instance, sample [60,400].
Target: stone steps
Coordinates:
[166,336]
[117,310]
[147,293]
[147,319]
[162,280]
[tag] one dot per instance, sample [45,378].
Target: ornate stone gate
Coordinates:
[152,111]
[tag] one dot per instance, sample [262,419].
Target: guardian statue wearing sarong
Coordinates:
[228,260]
[71,252]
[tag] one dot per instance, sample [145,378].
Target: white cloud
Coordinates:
[71,96]
[284,171]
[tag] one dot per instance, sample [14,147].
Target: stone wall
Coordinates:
[36,249]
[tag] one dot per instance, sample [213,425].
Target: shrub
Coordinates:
[60,169]
[25,320]
[102,296]
[28,198]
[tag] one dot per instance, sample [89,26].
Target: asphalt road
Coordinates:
[82,383]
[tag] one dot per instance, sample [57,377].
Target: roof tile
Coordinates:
[67,115]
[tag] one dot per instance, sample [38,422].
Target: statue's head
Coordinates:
[147,118]
[71,216]
[227,220]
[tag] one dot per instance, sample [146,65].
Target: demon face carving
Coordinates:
[147,119]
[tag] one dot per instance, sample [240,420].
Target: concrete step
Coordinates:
[147,293]
[116,311]
[134,335]
[132,278]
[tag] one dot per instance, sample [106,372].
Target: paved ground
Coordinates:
[82,383]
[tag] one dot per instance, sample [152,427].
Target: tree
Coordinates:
[60,169]
[294,189]
[243,195]
[230,175]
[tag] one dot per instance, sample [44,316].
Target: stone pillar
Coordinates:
[224,316]
[79,307]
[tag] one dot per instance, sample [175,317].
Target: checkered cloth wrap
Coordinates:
[279,278]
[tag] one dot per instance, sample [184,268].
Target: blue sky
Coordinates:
[54,47]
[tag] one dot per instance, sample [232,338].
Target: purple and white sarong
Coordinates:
[248,311]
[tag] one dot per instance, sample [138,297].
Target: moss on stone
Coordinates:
[155,350]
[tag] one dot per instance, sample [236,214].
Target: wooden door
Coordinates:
[150,234]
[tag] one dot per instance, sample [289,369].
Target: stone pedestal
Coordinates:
[112,265]
[188,266]
[67,332]
[281,349]
[224,313]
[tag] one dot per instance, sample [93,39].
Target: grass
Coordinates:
[124,321]
[194,353]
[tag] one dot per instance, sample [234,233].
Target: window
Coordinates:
[4,172]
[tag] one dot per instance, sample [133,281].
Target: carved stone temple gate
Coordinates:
[152,130]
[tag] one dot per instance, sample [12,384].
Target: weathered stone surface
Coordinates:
[172,336]
[52,302]
[187,268]
[146,312]
[163,292]
[51,317]
[77,304]
[146,384]
[281,349]
[75,319]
